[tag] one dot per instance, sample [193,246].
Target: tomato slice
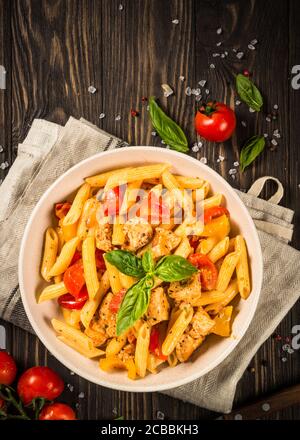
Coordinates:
[154,345]
[68,301]
[116,301]
[74,278]
[61,209]
[100,260]
[112,201]
[214,212]
[208,271]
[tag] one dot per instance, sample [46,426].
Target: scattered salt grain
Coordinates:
[234,50]
[240,55]
[92,89]
[286,347]
[188,91]
[115,411]
[153,133]
[102,115]
[71,387]
[162,142]
[118,118]
[197,92]
[254,42]
[290,351]
[251,47]
[275,106]
[81,395]
[175,21]
[219,43]
[215,55]
[121,7]
[3,165]
[182,78]
[284,359]
[1,149]
[195,148]
[226,53]
[251,110]
[222,55]
[274,142]
[207,91]
[266,407]
[232,176]
[244,123]
[232,171]
[160,415]
[237,102]
[266,135]
[200,144]
[202,82]
[167,90]
[219,31]
[203,160]
[238,417]
[212,66]
[72,373]
[268,119]
[198,98]
[221,158]
[236,164]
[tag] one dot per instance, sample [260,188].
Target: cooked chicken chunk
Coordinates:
[164,242]
[103,235]
[200,326]
[107,319]
[187,290]
[98,336]
[159,307]
[138,233]
[127,352]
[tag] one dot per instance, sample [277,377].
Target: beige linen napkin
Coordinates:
[49,150]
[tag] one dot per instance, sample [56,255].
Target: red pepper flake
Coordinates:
[134,113]
[246,72]
[144,99]
[277,337]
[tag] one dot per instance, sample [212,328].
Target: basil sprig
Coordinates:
[248,92]
[253,148]
[167,129]
[136,301]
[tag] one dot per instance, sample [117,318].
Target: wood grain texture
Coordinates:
[54,49]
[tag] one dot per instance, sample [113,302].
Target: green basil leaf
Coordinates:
[174,268]
[253,147]
[167,129]
[134,304]
[248,92]
[126,262]
[148,262]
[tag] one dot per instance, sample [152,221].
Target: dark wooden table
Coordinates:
[53,50]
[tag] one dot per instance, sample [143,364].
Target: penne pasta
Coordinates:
[115,345]
[212,201]
[226,271]
[138,173]
[118,235]
[189,182]
[88,218]
[219,250]
[126,281]
[72,333]
[61,240]
[229,295]
[89,266]
[65,257]
[242,267]
[184,249]
[153,362]
[114,278]
[50,253]
[76,208]
[89,309]
[222,325]
[100,180]
[176,331]
[53,291]
[142,347]
[71,317]
[172,359]
[130,196]
[91,353]
[69,231]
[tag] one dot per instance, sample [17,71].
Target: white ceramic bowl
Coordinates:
[213,351]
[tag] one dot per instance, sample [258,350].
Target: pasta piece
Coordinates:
[88,218]
[53,291]
[76,208]
[89,309]
[222,325]
[189,182]
[212,201]
[65,257]
[89,266]
[153,362]
[177,330]
[50,252]
[111,362]
[114,278]
[229,294]
[138,173]
[130,196]
[219,250]
[118,235]
[172,359]
[72,317]
[201,193]
[69,231]
[58,279]
[115,345]
[61,240]
[226,271]
[242,267]
[100,179]
[206,245]
[184,249]
[211,297]
[142,347]
[72,333]
[92,353]
[126,281]
[170,181]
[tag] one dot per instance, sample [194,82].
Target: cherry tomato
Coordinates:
[68,301]
[208,271]
[8,368]
[214,212]
[39,382]
[215,121]
[76,257]
[100,260]
[61,209]
[112,202]
[154,345]
[74,278]
[116,301]
[57,411]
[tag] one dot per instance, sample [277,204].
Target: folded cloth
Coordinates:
[49,150]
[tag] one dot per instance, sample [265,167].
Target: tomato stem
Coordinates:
[10,399]
[208,109]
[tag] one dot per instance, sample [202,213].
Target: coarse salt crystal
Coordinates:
[160,415]
[182,78]
[251,110]
[188,91]
[121,7]
[221,158]
[268,119]
[290,351]
[81,395]
[117,118]
[200,144]
[244,124]
[219,31]
[238,417]
[275,106]
[115,411]
[203,160]
[207,91]
[219,43]
[232,171]
[175,21]
[283,359]
[198,98]
[2,166]
[274,142]
[202,82]
[266,135]
[167,90]
[71,387]
[236,164]
[162,142]
[232,176]
[1,149]
[237,102]
[226,53]
[266,407]
[215,55]
[197,92]
[195,148]
[102,115]
[72,373]
[212,66]
[92,89]
[254,42]
[222,55]
[240,55]
[251,47]
[153,133]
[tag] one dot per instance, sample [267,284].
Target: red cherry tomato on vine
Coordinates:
[8,368]
[214,212]
[57,411]
[39,382]
[74,278]
[68,301]
[208,271]
[215,121]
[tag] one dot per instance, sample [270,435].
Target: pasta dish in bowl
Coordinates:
[143,271]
